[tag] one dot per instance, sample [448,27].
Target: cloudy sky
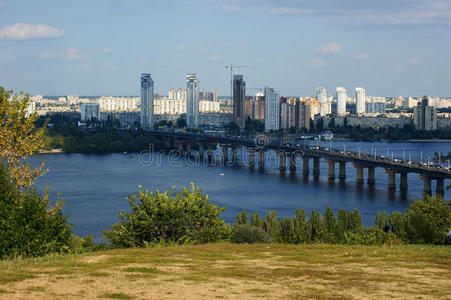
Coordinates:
[99,47]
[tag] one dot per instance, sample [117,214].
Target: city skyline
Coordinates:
[49,49]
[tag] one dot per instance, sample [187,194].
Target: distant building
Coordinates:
[192,101]
[360,96]
[272,110]
[341,100]
[425,116]
[147,97]
[239,94]
[321,96]
[90,111]
[72,99]
[259,107]
[303,113]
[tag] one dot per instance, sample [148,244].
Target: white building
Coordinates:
[192,101]
[341,100]
[326,105]
[360,100]
[90,111]
[147,98]
[119,104]
[272,110]
[72,99]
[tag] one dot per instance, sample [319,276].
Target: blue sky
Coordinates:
[100,47]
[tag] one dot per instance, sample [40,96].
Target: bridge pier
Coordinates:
[180,146]
[261,159]
[210,160]
[331,170]
[439,189]
[282,162]
[167,143]
[391,179]
[427,190]
[371,180]
[251,158]
[305,166]
[225,154]
[403,181]
[342,171]
[292,163]
[316,168]
[201,151]
[359,174]
[234,155]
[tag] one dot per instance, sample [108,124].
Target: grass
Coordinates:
[240,271]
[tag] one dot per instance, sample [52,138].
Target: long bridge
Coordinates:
[206,143]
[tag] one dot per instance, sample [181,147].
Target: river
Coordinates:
[95,186]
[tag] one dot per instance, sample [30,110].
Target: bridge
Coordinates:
[206,143]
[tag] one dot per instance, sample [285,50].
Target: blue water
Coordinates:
[95,186]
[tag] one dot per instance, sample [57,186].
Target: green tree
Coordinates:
[19,138]
[272,225]
[383,221]
[428,220]
[256,220]
[186,217]
[241,218]
[287,232]
[330,225]
[399,225]
[30,224]
[300,226]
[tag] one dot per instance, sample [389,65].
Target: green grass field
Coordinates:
[235,271]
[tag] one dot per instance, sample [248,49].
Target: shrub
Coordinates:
[250,234]
[428,220]
[187,217]
[29,224]
[371,236]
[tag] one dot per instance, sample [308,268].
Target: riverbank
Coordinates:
[234,271]
[51,151]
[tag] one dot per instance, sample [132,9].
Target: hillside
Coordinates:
[234,271]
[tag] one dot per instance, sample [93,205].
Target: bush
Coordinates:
[428,220]
[371,236]
[187,217]
[29,224]
[250,234]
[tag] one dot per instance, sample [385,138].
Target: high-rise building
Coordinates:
[239,92]
[360,98]
[341,100]
[147,97]
[192,101]
[425,116]
[272,110]
[303,112]
[90,111]
[321,96]
[259,106]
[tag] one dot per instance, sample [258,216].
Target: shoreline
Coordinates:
[53,151]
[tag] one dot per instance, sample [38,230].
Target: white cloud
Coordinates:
[214,57]
[68,54]
[2,5]
[227,44]
[231,8]
[330,48]
[412,61]
[361,56]
[107,50]
[317,62]
[74,54]
[289,11]
[21,31]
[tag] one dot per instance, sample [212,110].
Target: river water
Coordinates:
[95,186]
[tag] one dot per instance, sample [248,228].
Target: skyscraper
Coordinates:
[425,116]
[272,110]
[321,96]
[147,117]
[341,100]
[360,100]
[239,92]
[192,101]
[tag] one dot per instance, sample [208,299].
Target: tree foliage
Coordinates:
[19,138]
[186,217]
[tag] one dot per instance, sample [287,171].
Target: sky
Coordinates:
[100,47]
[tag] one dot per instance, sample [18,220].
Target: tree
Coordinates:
[330,224]
[19,138]
[300,226]
[186,217]
[428,220]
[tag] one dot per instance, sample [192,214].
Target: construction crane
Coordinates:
[231,67]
